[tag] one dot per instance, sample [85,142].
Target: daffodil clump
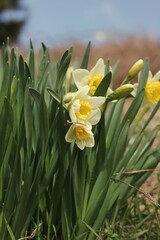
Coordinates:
[70,153]
[84,108]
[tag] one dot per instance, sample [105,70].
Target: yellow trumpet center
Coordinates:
[81,133]
[94,83]
[84,110]
[152,92]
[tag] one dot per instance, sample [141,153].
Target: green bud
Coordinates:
[133,71]
[120,92]
[136,68]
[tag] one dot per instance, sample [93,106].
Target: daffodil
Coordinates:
[83,77]
[83,107]
[152,88]
[81,134]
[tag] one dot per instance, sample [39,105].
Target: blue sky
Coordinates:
[55,21]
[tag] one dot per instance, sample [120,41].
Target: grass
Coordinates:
[49,188]
[139,218]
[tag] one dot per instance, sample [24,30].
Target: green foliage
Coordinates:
[49,188]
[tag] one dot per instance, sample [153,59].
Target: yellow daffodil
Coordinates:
[83,77]
[83,107]
[81,134]
[152,88]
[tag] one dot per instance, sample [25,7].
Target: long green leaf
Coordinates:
[104,85]
[86,55]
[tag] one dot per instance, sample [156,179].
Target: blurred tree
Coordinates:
[7,4]
[12,18]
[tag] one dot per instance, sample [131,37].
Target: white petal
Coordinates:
[156,76]
[109,91]
[134,92]
[68,97]
[70,136]
[150,76]
[82,93]
[73,109]
[90,141]
[99,68]
[80,77]
[88,128]
[94,117]
[96,102]
[81,144]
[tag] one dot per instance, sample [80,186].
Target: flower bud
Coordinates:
[120,92]
[136,68]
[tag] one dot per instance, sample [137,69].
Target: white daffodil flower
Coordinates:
[152,89]
[83,107]
[83,77]
[81,134]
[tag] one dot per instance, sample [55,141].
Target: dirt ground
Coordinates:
[128,52]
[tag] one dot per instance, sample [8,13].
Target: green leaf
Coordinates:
[121,145]
[44,123]
[134,108]
[9,112]
[104,85]
[35,94]
[63,67]
[27,72]
[100,138]
[42,71]
[115,68]
[143,76]
[98,193]
[113,121]
[156,108]
[9,230]
[54,95]
[85,60]
[31,63]
[92,231]
[44,47]
[28,119]
[22,71]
